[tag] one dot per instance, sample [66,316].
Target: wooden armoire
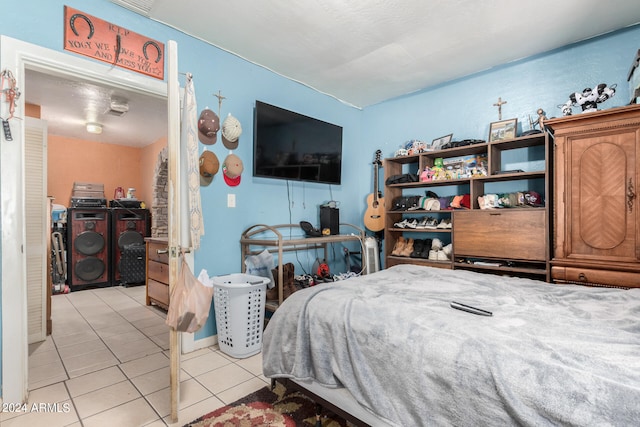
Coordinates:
[596,168]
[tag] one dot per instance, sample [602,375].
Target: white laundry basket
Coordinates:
[239,301]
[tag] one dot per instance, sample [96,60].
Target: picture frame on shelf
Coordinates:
[437,143]
[502,130]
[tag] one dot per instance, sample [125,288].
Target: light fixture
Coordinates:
[94,128]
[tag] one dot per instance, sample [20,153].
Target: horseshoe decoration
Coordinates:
[154,44]
[108,42]
[72,24]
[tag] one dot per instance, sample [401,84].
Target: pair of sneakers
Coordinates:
[439,252]
[407,223]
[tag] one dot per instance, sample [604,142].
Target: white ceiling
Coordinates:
[367,51]
[360,52]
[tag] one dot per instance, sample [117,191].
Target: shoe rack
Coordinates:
[501,240]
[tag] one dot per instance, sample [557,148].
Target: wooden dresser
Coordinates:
[157,271]
[596,212]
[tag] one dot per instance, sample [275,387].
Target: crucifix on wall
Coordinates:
[499,104]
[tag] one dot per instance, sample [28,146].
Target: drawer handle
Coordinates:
[162,251]
[495,213]
[582,277]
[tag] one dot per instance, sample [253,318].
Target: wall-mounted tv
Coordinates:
[288,145]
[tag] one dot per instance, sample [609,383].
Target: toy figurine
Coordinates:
[589,99]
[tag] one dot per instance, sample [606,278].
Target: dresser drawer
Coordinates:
[158,252]
[517,234]
[159,292]
[590,276]
[158,271]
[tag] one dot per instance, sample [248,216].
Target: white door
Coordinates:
[35,181]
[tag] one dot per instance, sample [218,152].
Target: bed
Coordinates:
[390,347]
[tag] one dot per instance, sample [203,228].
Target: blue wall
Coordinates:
[462,107]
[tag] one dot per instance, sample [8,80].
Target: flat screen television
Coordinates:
[292,146]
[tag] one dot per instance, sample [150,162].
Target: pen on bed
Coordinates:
[470,309]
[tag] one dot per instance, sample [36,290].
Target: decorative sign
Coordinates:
[101,40]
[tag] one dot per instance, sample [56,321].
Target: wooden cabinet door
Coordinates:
[600,224]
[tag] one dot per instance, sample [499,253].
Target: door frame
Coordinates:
[16,55]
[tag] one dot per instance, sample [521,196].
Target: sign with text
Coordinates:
[99,39]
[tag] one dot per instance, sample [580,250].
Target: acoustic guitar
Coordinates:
[374,215]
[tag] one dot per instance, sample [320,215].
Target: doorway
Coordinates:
[20,57]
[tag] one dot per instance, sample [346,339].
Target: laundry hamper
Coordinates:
[239,301]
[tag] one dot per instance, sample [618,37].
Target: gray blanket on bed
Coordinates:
[549,355]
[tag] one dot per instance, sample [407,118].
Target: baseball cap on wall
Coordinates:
[209,166]
[232,168]
[231,131]
[208,127]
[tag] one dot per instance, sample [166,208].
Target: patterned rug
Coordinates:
[279,407]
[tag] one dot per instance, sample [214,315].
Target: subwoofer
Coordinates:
[88,237]
[129,228]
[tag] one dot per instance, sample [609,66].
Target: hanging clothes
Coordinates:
[192,227]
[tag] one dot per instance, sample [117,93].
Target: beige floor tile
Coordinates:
[224,378]
[205,363]
[155,380]
[55,393]
[135,413]
[47,374]
[105,398]
[252,364]
[144,365]
[55,415]
[136,313]
[72,339]
[191,392]
[42,346]
[148,322]
[90,362]
[94,381]
[241,390]
[135,350]
[82,348]
[195,411]
[124,339]
[161,340]
[43,358]
[159,328]
[122,328]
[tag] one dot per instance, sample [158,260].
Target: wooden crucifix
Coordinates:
[499,105]
[220,98]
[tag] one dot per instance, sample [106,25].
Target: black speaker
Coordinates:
[329,220]
[129,228]
[88,255]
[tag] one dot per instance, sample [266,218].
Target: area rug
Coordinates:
[279,407]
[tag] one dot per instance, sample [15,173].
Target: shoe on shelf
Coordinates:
[401,224]
[412,223]
[433,255]
[448,249]
[432,223]
[444,223]
[418,247]
[408,249]
[401,243]
[436,244]
[422,223]
[442,256]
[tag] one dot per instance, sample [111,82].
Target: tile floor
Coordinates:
[107,364]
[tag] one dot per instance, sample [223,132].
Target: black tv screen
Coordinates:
[292,146]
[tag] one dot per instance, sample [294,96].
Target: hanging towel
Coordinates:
[191,209]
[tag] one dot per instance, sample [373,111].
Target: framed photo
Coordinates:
[504,129]
[437,143]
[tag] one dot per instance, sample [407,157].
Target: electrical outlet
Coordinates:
[231,200]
